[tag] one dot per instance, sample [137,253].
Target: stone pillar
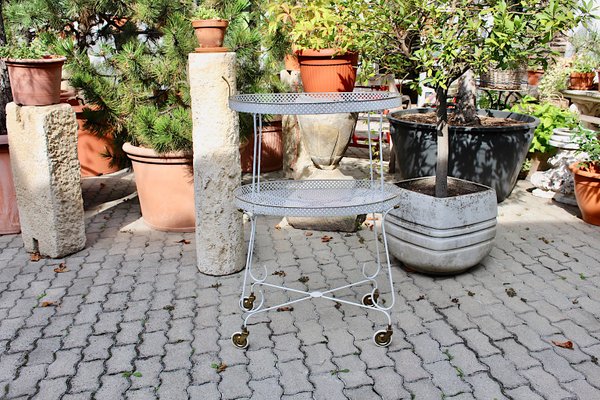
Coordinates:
[217,171]
[43,149]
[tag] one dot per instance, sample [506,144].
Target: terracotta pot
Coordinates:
[210,32]
[271,158]
[90,149]
[327,71]
[534,76]
[587,191]
[291,62]
[582,80]
[165,186]
[35,82]
[9,214]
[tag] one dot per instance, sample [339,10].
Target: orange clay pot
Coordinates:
[327,71]
[165,186]
[582,80]
[534,76]
[587,191]
[271,149]
[35,82]
[210,32]
[9,214]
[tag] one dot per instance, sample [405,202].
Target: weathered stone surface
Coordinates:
[43,145]
[217,170]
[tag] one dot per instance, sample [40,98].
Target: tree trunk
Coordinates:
[441,169]
[5,94]
[466,106]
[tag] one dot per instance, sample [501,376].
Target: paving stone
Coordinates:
[121,359]
[528,338]
[446,377]
[294,377]
[544,383]
[443,333]
[327,387]
[310,332]
[262,362]
[25,384]
[340,342]
[51,389]
[576,333]
[173,385]
[582,389]
[206,391]
[557,366]
[363,392]
[266,389]
[492,328]
[153,344]
[423,389]
[426,348]
[87,377]
[388,383]
[591,372]
[517,354]
[465,359]
[77,336]
[457,319]
[356,375]
[113,387]
[484,387]
[150,368]
[177,356]
[374,356]
[523,392]
[408,365]
[98,347]
[539,324]
[504,371]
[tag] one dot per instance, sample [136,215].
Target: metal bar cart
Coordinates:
[314,198]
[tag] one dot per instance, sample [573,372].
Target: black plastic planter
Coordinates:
[492,156]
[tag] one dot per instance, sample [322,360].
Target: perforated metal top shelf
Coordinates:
[314,198]
[313,103]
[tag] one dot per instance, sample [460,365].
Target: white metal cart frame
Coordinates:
[313,198]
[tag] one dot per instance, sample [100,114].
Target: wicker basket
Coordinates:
[510,79]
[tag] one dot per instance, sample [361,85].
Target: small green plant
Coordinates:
[129,374]
[35,50]
[584,64]
[554,80]
[551,117]
[588,145]
[205,12]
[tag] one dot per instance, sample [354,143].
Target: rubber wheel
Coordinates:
[247,304]
[383,338]
[367,300]
[240,340]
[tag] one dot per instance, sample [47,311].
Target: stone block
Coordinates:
[43,145]
[217,170]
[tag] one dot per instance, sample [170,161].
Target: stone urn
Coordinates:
[327,136]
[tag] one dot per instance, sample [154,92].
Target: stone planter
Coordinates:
[9,212]
[442,236]
[165,186]
[491,156]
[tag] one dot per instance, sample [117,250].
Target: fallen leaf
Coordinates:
[279,273]
[285,308]
[216,285]
[543,239]
[565,345]
[106,217]
[48,303]
[35,257]
[523,299]
[594,359]
[62,267]
[338,305]
[454,300]
[326,239]
[510,292]
[372,219]
[575,301]
[184,241]
[303,279]
[278,227]
[221,367]
[470,293]
[169,307]
[421,297]
[337,371]
[308,233]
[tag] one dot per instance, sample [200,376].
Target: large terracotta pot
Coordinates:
[534,76]
[210,32]
[9,214]
[587,191]
[165,186]
[327,71]
[91,149]
[581,80]
[35,82]
[271,158]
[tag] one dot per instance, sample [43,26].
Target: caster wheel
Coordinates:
[367,299]
[383,338]
[240,339]
[247,303]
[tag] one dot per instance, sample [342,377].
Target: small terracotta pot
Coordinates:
[165,186]
[582,80]
[534,76]
[210,32]
[587,191]
[271,158]
[327,71]
[90,149]
[35,82]
[9,213]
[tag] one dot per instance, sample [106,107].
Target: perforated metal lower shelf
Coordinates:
[314,198]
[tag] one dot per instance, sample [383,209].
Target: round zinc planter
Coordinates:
[491,156]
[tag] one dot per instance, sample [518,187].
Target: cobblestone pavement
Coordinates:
[130,316]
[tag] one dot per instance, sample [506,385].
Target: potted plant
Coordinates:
[209,28]
[34,74]
[324,38]
[587,176]
[446,225]
[583,73]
